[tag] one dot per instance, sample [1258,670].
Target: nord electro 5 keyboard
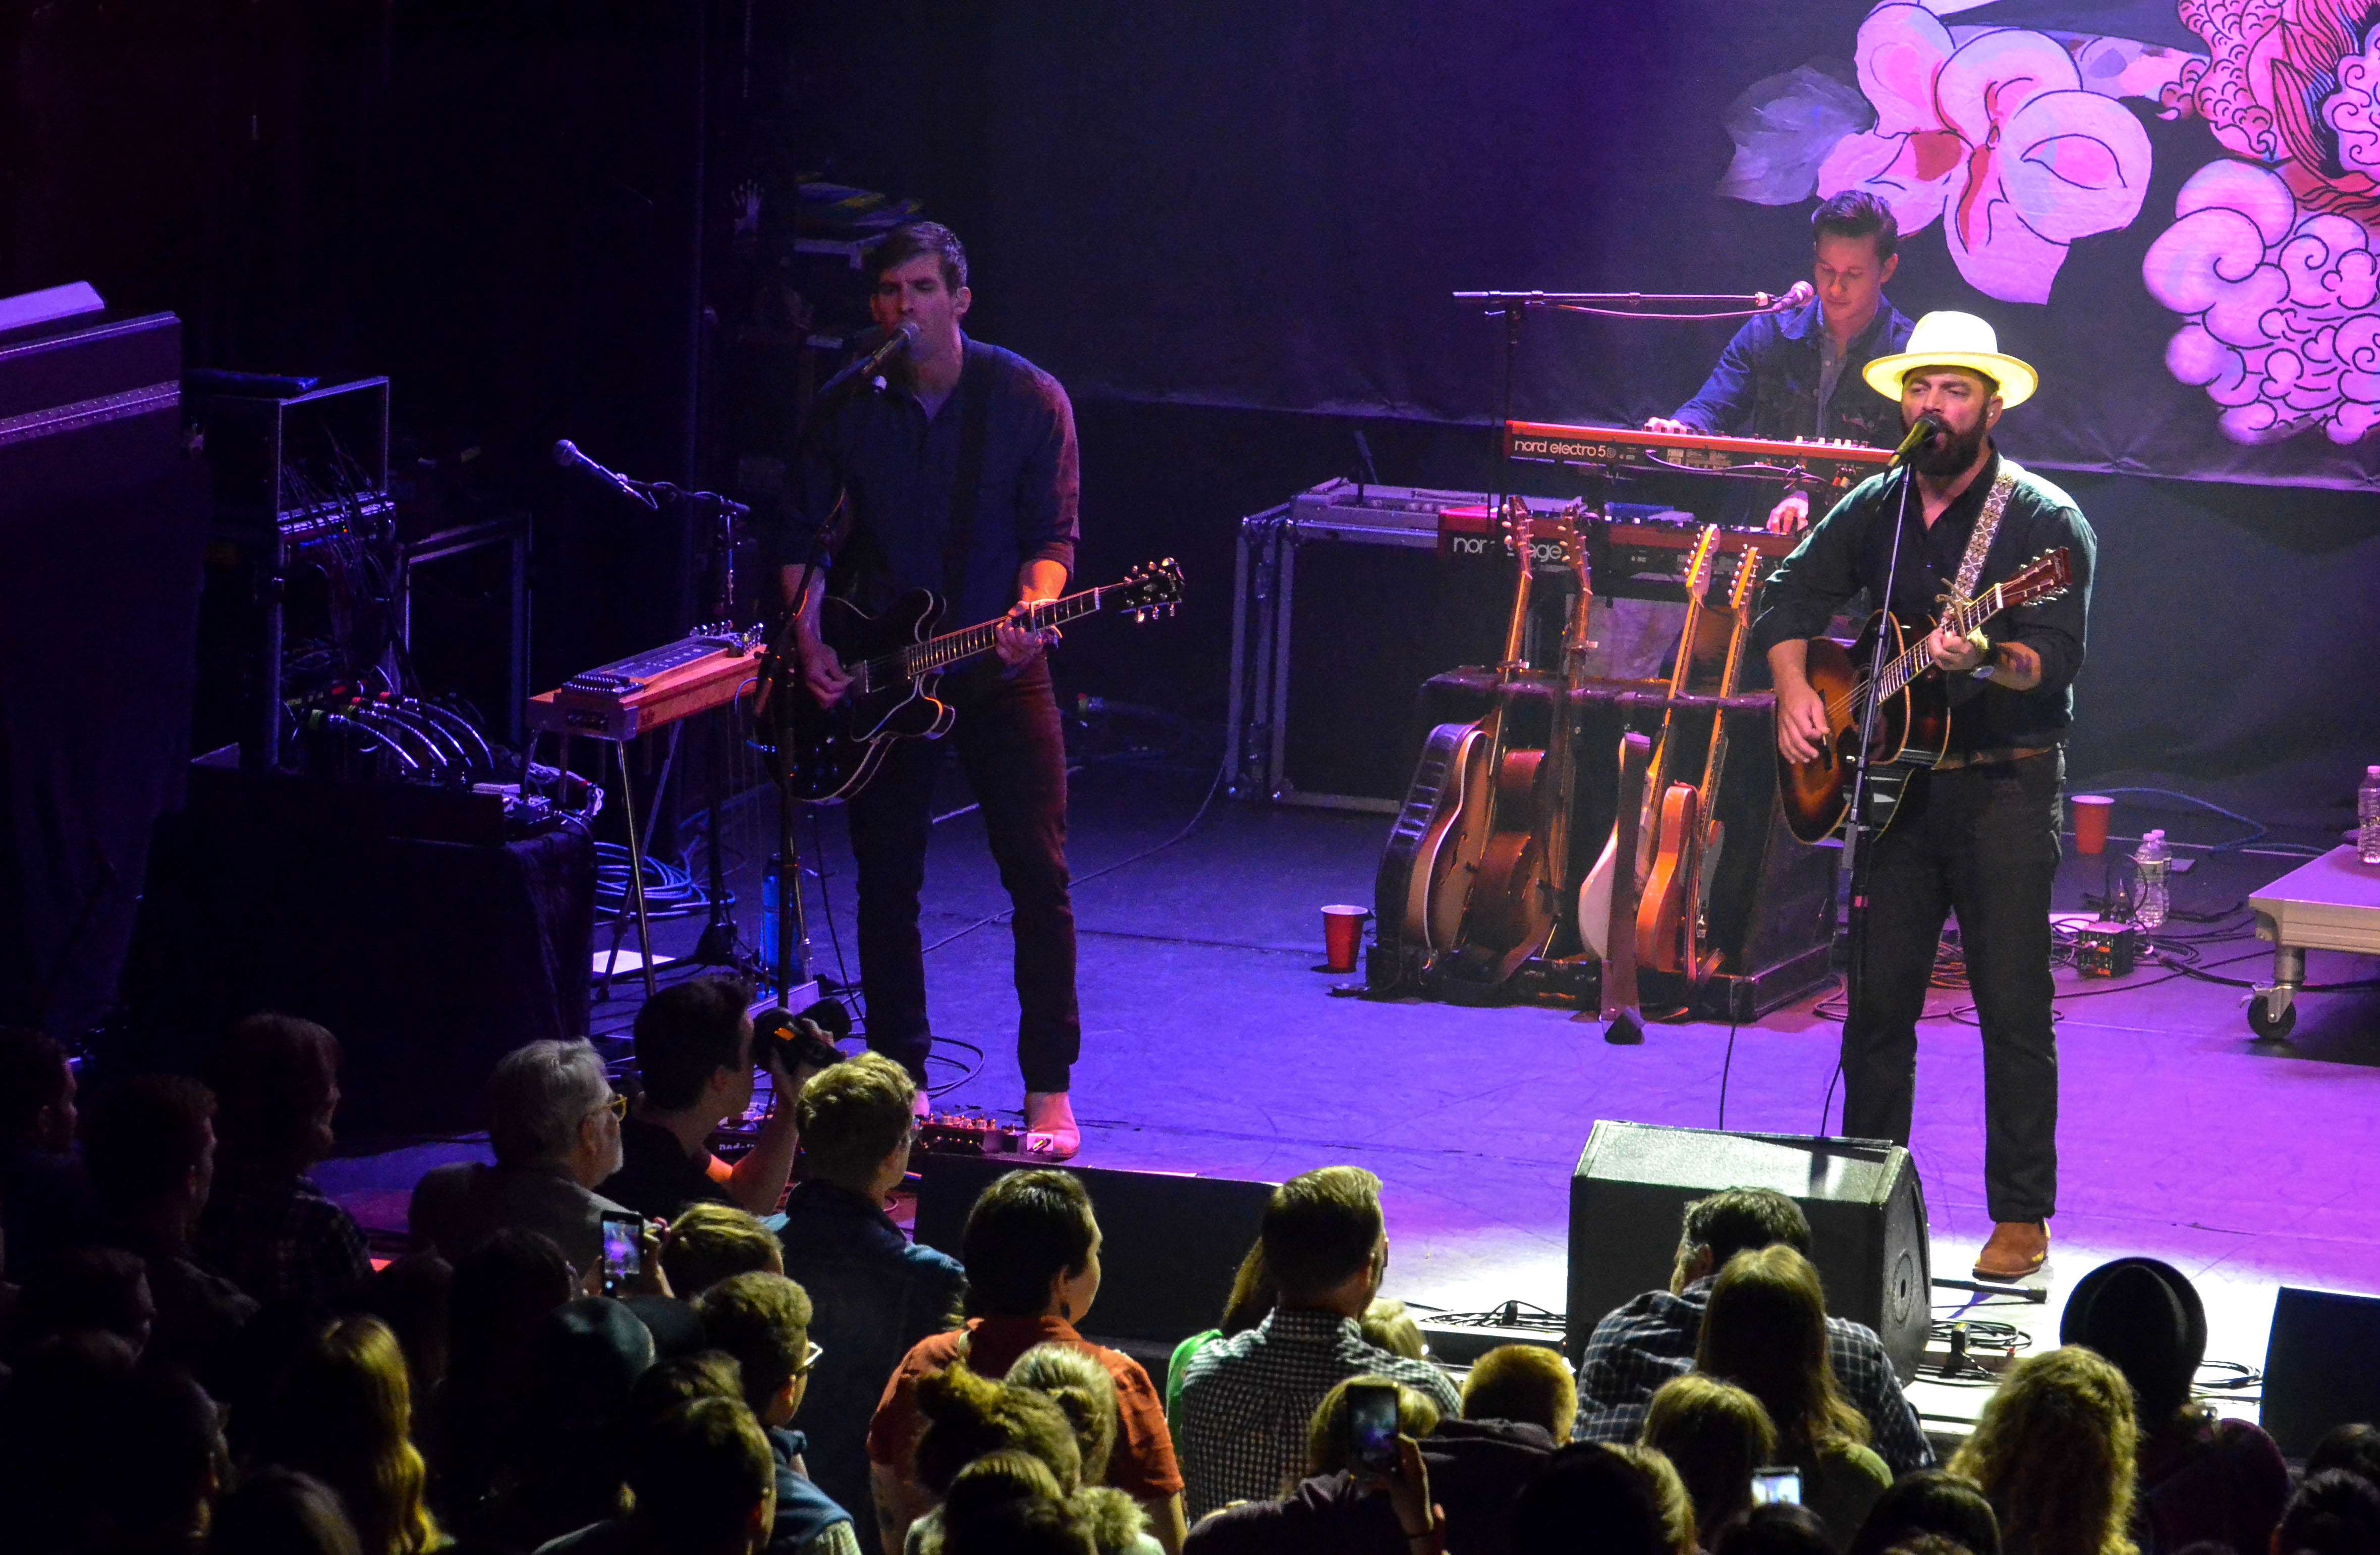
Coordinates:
[1819,462]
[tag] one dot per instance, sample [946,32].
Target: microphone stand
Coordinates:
[1864,832]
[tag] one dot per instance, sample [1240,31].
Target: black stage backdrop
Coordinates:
[1250,206]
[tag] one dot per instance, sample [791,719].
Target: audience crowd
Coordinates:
[609,1341]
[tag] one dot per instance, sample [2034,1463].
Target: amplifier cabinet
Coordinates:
[1344,606]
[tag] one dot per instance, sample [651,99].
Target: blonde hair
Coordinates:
[346,1418]
[968,1416]
[1669,1492]
[2054,1452]
[1714,1434]
[1326,1443]
[1075,1381]
[1387,1325]
[708,1242]
[854,1114]
[1525,1383]
[1766,1331]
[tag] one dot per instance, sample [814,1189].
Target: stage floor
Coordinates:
[1213,1045]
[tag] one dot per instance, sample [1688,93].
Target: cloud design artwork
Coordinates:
[2283,306]
[1997,139]
[2292,84]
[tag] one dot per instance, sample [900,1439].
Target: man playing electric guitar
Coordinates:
[960,477]
[1977,834]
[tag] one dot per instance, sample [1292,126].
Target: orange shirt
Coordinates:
[1142,1465]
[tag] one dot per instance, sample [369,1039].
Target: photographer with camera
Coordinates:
[696,1052]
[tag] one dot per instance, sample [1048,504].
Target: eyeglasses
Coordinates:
[617,1106]
[809,1357]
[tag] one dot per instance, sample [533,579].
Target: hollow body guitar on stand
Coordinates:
[1912,704]
[894,661]
[1670,927]
[1471,818]
[1661,812]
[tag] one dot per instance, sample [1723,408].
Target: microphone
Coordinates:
[871,364]
[567,455]
[1920,432]
[1798,295]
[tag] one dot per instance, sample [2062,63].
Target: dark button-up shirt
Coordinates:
[657,1178]
[282,1240]
[1770,380]
[899,467]
[1652,1339]
[875,1293]
[1851,549]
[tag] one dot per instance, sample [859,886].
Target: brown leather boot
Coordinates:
[2016,1249]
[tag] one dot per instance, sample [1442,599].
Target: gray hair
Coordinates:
[538,1097]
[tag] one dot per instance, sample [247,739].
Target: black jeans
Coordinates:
[1982,841]
[1014,753]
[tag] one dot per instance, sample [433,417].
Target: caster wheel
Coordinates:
[2265,1023]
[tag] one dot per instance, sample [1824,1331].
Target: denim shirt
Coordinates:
[876,1294]
[1768,381]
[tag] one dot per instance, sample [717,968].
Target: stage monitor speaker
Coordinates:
[2321,1366]
[1170,1244]
[1866,1210]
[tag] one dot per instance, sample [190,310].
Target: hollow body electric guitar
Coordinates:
[1912,710]
[1670,928]
[894,661]
[1595,895]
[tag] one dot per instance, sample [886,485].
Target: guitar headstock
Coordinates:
[1151,590]
[1747,577]
[1519,528]
[1698,566]
[2045,577]
[1570,551]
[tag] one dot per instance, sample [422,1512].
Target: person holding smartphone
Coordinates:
[1366,1488]
[694,1058]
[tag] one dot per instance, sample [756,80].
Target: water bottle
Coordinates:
[2149,864]
[2367,817]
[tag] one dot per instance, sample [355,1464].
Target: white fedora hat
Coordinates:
[1948,339]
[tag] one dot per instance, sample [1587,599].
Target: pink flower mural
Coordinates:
[2282,306]
[2290,83]
[1997,139]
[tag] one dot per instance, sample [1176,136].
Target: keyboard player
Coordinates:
[1796,374]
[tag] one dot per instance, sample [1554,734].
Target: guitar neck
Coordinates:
[1916,659]
[951,647]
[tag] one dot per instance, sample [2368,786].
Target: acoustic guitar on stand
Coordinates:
[1913,707]
[1594,912]
[1516,902]
[1670,926]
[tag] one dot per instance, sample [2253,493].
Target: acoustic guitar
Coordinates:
[1446,858]
[1670,913]
[1594,895]
[1516,900]
[1911,720]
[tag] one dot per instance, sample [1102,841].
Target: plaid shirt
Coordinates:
[1246,1402]
[1652,1339]
[282,1240]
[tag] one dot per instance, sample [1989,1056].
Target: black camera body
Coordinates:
[804,1040]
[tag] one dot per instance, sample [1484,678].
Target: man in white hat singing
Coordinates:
[1978,834]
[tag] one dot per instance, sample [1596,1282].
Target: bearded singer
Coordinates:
[1977,836]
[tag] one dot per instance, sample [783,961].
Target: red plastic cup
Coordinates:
[2091,811]
[1342,933]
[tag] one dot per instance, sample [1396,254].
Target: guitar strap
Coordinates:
[966,488]
[1987,524]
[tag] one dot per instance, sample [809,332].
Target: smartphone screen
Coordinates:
[623,1250]
[1372,1427]
[1776,1485]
